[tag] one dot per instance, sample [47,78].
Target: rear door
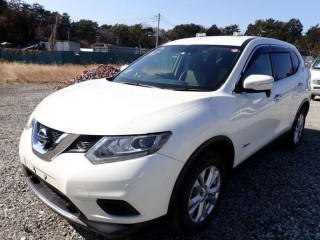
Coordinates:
[289,83]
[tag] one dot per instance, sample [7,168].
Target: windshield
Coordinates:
[176,67]
[316,64]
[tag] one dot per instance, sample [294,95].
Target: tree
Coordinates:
[120,33]
[213,31]
[53,36]
[3,6]
[17,24]
[229,30]
[23,24]
[264,28]
[185,31]
[141,36]
[294,27]
[311,40]
[290,31]
[131,36]
[65,30]
[148,38]
[3,30]
[41,18]
[135,35]
[86,30]
[105,33]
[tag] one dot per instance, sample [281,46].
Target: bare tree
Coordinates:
[53,37]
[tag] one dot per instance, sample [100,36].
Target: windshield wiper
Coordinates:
[110,78]
[190,89]
[139,84]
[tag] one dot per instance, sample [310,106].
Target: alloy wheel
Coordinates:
[204,194]
[298,129]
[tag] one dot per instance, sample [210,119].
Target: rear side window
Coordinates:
[295,61]
[283,65]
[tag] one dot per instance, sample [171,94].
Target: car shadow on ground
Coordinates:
[274,194]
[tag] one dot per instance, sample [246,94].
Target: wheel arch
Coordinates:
[305,104]
[221,144]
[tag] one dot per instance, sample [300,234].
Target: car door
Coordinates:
[258,111]
[290,85]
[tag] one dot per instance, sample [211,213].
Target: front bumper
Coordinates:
[62,205]
[315,90]
[71,181]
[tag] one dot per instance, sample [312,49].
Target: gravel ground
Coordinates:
[276,195]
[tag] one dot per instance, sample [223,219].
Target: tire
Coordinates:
[297,129]
[200,193]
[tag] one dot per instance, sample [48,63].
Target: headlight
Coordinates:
[30,122]
[112,149]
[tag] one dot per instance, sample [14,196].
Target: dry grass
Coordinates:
[27,73]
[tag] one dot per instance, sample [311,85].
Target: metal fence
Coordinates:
[119,49]
[64,57]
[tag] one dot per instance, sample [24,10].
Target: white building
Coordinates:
[65,46]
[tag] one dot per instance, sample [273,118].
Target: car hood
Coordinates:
[100,107]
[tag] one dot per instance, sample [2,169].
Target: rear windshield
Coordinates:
[180,67]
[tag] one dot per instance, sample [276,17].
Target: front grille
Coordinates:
[55,133]
[47,143]
[83,143]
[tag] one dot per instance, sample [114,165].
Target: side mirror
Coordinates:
[258,83]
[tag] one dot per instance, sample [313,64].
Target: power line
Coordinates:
[167,22]
[134,19]
[150,19]
[154,18]
[159,16]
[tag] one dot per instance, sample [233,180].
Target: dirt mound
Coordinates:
[102,71]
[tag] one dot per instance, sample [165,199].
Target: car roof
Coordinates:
[225,41]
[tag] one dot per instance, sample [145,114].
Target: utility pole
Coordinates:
[157,39]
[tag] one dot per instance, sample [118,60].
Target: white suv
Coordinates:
[160,137]
[315,78]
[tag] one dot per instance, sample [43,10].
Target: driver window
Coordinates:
[261,65]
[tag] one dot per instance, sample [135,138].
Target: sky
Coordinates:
[175,12]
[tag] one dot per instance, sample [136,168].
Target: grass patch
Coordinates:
[36,73]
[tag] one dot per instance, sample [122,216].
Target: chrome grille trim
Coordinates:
[59,145]
[55,133]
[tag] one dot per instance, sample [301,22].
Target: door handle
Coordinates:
[300,85]
[277,98]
